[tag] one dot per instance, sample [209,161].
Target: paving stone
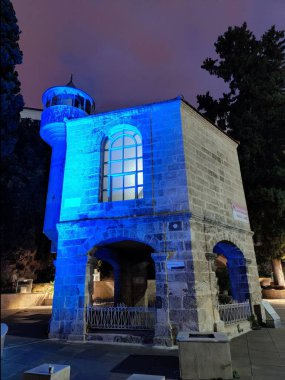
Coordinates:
[268,372]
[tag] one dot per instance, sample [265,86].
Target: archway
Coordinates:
[236,268]
[133,271]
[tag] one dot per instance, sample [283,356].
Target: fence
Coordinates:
[234,312]
[121,317]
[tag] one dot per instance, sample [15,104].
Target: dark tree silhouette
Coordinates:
[11,101]
[23,245]
[253,112]
[24,170]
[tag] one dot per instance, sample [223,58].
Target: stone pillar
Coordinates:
[117,285]
[84,296]
[126,284]
[218,324]
[71,294]
[163,333]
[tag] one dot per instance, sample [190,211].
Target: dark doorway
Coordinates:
[133,271]
[236,269]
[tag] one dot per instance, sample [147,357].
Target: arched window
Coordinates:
[123,167]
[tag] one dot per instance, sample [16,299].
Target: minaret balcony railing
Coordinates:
[59,113]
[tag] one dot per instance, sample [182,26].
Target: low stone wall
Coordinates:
[44,287]
[273,294]
[22,300]
[103,289]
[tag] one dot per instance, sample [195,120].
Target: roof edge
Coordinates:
[178,98]
[209,121]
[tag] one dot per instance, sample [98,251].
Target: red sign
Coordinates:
[240,213]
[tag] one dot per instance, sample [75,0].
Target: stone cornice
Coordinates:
[166,216]
[211,222]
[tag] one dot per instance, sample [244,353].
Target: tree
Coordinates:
[11,101]
[24,169]
[253,112]
[23,246]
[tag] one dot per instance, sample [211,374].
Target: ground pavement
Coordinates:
[258,355]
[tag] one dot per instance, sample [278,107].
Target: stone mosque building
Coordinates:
[153,192]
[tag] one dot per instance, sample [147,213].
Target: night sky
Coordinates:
[130,52]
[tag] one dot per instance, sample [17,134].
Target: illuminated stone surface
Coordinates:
[191,178]
[4,330]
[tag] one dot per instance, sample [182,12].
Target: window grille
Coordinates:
[122,167]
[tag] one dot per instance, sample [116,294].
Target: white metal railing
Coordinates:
[234,312]
[121,317]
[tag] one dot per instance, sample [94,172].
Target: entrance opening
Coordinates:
[223,279]
[126,270]
[125,274]
[231,272]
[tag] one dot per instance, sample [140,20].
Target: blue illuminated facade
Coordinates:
[60,104]
[119,189]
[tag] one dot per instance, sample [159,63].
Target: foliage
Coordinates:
[24,183]
[11,101]
[253,112]
[24,169]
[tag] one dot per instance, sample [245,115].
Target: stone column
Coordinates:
[117,285]
[71,294]
[163,333]
[84,290]
[218,324]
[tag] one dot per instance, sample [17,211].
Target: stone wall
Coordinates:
[22,300]
[163,163]
[213,172]
[214,184]
[191,179]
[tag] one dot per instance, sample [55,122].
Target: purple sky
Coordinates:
[129,52]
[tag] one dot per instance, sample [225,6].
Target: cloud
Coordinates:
[129,51]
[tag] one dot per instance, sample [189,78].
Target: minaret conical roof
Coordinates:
[70,83]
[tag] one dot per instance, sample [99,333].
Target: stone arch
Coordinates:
[134,274]
[224,236]
[92,242]
[236,265]
[112,129]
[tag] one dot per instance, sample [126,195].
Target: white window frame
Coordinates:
[122,166]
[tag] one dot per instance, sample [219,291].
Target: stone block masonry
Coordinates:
[191,179]
[214,185]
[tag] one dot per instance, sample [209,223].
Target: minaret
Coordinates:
[60,103]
